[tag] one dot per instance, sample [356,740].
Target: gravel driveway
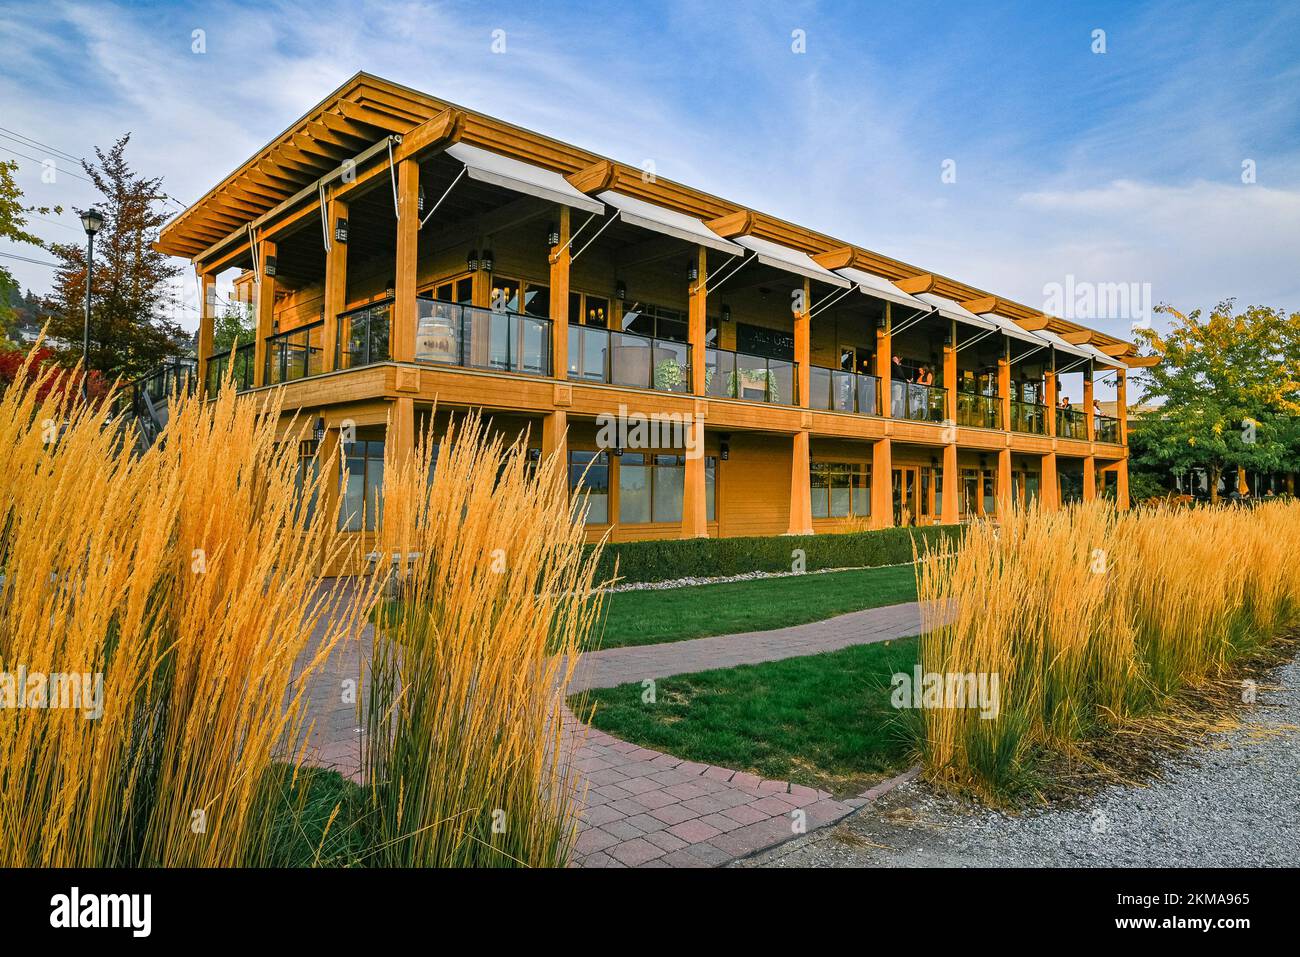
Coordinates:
[1233,803]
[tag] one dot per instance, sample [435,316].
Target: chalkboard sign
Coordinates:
[761,341]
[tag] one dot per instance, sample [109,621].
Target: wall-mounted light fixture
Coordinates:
[724,447]
[486,261]
[419,203]
[471,260]
[693,271]
[320,429]
[552,235]
[341,231]
[726,313]
[620,290]
[618,452]
[270,266]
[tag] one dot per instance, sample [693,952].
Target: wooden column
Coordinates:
[1121,484]
[885,361]
[803,349]
[555,439]
[336,284]
[948,506]
[1004,384]
[1089,476]
[560,258]
[265,293]
[695,514]
[1049,398]
[207,323]
[882,477]
[401,333]
[1090,419]
[697,327]
[1004,482]
[1049,492]
[1121,410]
[800,493]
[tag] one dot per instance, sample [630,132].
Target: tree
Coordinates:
[13,226]
[129,331]
[1230,392]
[234,325]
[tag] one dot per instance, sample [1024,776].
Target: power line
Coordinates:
[37,262]
[35,159]
[38,144]
[23,140]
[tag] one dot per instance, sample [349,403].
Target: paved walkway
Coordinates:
[640,807]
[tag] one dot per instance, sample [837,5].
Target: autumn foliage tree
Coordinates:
[130,332]
[1229,392]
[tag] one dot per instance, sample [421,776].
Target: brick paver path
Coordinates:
[639,807]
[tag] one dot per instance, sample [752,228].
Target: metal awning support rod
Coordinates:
[444,195]
[1028,352]
[610,222]
[572,236]
[324,216]
[723,275]
[983,335]
[910,321]
[346,168]
[832,301]
[1074,365]
[392,174]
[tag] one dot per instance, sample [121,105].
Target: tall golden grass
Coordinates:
[1092,617]
[470,667]
[186,576]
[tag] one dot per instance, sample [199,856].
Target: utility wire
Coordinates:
[37,262]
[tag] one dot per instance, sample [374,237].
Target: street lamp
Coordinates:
[93,221]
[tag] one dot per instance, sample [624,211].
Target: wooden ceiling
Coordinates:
[366,109]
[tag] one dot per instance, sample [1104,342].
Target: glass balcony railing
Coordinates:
[1028,417]
[920,403]
[979,411]
[622,358]
[242,376]
[1106,428]
[1071,424]
[841,391]
[296,354]
[737,375]
[363,336]
[450,334]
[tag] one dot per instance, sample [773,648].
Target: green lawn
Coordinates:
[697,611]
[822,720]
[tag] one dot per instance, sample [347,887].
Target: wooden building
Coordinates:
[408,258]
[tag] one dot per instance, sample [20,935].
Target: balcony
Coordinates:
[1029,417]
[840,391]
[622,358]
[1071,424]
[737,375]
[241,377]
[474,338]
[296,354]
[1106,428]
[919,403]
[979,411]
[363,336]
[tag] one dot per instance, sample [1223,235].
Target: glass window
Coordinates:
[667,488]
[361,486]
[505,295]
[862,490]
[840,490]
[537,301]
[597,309]
[589,486]
[304,477]
[711,488]
[633,489]
[575,307]
[819,482]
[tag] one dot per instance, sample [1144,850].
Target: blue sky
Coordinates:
[1123,166]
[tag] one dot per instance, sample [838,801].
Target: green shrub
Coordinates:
[670,559]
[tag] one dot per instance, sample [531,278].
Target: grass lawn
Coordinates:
[697,611]
[822,720]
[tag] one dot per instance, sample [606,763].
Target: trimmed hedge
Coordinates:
[670,559]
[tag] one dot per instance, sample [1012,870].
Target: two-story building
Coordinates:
[409,259]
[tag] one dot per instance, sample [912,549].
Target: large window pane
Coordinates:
[840,494]
[589,484]
[819,483]
[711,488]
[669,485]
[633,489]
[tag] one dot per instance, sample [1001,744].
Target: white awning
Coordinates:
[1101,357]
[1061,345]
[953,310]
[880,287]
[637,212]
[1010,328]
[512,174]
[791,260]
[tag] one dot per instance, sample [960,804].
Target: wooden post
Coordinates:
[555,439]
[1049,494]
[336,284]
[885,363]
[949,506]
[1089,476]
[1121,484]
[1121,411]
[803,349]
[1049,397]
[695,513]
[265,294]
[800,493]
[882,477]
[207,322]
[1004,384]
[401,333]
[1004,482]
[950,375]
[697,329]
[560,259]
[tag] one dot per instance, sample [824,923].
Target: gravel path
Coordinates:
[1232,803]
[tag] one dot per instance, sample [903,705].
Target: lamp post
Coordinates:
[93,221]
